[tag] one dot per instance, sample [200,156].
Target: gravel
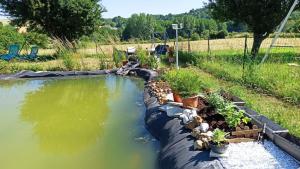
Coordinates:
[257,156]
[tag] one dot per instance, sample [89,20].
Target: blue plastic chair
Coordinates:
[12,53]
[33,53]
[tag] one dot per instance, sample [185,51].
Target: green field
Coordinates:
[284,114]
[276,77]
[273,88]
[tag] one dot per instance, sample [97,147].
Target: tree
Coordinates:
[261,16]
[66,19]
[139,26]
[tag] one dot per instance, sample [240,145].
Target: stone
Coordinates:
[198,145]
[195,123]
[204,127]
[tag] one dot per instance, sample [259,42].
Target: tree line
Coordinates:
[81,19]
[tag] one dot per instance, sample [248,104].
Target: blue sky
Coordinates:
[126,8]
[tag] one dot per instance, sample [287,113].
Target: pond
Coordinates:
[74,123]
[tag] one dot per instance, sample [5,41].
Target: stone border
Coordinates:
[176,143]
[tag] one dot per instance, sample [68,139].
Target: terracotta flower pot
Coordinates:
[190,102]
[177,97]
[125,62]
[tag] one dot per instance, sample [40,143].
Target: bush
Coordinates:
[68,61]
[142,56]
[218,35]
[152,62]
[9,35]
[184,82]
[40,40]
[3,66]
[118,57]
[195,37]
[188,57]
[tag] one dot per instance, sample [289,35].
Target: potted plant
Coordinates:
[185,85]
[219,143]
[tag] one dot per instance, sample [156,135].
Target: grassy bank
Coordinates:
[284,114]
[75,62]
[276,77]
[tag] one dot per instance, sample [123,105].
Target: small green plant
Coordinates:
[117,57]
[102,62]
[234,117]
[217,101]
[68,61]
[184,82]
[152,62]
[3,66]
[142,56]
[219,137]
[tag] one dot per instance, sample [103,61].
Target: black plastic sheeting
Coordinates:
[31,74]
[175,141]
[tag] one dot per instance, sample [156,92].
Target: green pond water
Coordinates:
[74,123]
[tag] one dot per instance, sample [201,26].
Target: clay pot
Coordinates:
[124,62]
[190,102]
[177,97]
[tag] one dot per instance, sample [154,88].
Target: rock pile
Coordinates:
[161,90]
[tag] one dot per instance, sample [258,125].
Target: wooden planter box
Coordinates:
[245,135]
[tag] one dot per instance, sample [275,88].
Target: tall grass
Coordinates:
[288,116]
[275,77]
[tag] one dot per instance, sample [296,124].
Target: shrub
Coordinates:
[185,82]
[9,35]
[188,58]
[40,40]
[152,62]
[117,57]
[3,66]
[102,62]
[68,61]
[195,37]
[142,56]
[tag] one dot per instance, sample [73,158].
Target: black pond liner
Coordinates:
[31,74]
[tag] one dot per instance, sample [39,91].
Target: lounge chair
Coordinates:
[12,53]
[32,55]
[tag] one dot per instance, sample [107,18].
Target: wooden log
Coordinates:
[241,140]
[246,132]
